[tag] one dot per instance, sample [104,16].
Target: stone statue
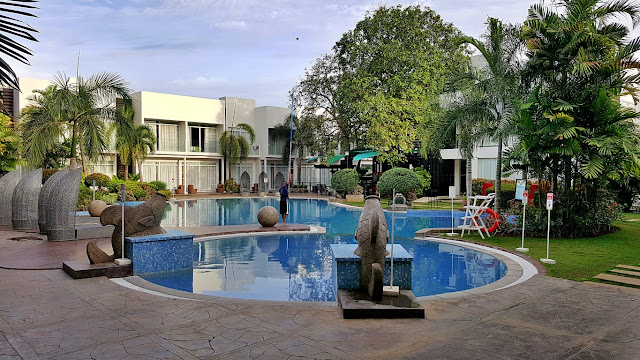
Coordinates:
[372,236]
[140,220]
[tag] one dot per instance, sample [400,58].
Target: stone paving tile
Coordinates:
[287,349]
[66,309]
[292,317]
[6,350]
[133,348]
[548,314]
[63,337]
[218,336]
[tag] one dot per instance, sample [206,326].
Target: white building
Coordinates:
[188,130]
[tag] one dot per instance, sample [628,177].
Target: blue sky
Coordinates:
[215,48]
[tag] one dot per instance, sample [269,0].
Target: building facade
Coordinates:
[187,132]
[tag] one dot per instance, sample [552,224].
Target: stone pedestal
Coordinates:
[160,252]
[346,267]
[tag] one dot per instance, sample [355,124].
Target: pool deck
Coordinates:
[44,314]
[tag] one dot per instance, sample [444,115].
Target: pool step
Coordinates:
[618,279]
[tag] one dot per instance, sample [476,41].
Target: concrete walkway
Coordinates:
[44,314]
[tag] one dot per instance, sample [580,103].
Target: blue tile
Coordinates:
[160,252]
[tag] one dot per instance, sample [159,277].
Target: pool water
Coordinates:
[299,267]
[336,219]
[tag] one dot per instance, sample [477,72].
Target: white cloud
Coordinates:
[232,25]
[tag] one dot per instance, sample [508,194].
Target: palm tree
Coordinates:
[133,142]
[13,27]
[234,147]
[580,62]
[81,110]
[499,84]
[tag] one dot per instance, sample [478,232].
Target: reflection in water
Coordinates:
[299,267]
[336,219]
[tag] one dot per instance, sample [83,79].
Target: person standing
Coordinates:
[284,198]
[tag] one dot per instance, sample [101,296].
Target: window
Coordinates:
[276,143]
[203,139]
[167,136]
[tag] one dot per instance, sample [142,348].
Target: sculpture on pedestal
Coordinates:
[140,220]
[372,236]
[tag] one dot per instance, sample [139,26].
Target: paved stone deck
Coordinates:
[44,314]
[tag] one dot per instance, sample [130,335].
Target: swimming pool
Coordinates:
[338,220]
[299,267]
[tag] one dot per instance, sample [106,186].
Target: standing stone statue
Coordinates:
[140,220]
[372,236]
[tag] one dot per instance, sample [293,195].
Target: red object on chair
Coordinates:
[485,186]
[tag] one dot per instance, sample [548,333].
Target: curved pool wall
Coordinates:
[299,268]
[341,220]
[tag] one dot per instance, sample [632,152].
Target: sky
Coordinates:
[255,49]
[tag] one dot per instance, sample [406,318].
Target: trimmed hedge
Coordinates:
[102,180]
[403,180]
[345,181]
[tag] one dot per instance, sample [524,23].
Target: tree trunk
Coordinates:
[126,172]
[469,180]
[85,165]
[139,167]
[498,185]
[299,166]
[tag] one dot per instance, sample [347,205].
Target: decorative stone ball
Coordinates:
[268,216]
[96,207]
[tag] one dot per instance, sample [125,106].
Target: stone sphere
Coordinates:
[268,216]
[96,207]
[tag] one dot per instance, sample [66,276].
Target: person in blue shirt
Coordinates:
[284,197]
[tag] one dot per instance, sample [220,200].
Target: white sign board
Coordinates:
[520,186]
[452,192]
[549,201]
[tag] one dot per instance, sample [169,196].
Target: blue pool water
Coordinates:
[299,267]
[336,219]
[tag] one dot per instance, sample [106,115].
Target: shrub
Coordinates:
[403,180]
[345,181]
[166,193]
[109,198]
[134,177]
[102,180]
[158,185]
[85,196]
[229,185]
[425,180]
[574,215]
[46,174]
[139,194]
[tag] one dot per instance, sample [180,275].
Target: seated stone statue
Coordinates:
[140,220]
[372,236]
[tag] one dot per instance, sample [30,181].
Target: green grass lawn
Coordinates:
[582,258]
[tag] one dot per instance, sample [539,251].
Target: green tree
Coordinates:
[133,142]
[574,132]
[234,147]
[9,144]
[395,64]
[304,139]
[10,27]
[80,109]
[499,86]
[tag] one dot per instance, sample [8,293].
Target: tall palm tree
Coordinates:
[133,142]
[9,27]
[235,147]
[80,109]
[499,83]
